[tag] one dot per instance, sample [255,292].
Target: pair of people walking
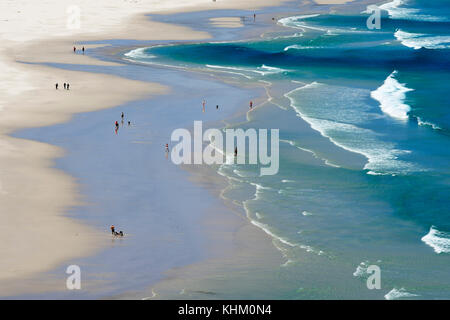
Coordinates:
[66,86]
[75,49]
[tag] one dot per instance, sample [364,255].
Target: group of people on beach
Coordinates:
[66,86]
[75,49]
[115,233]
[122,116]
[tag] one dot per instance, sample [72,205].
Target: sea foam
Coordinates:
[438,240]
[418,40]
[382,156]
[398,294]
[391,96]
[396,10]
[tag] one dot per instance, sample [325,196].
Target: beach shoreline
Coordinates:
[34,104]
[28,88]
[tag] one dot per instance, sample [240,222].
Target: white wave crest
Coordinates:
[419,40]
[293,21]
[299,47]
[396,11]
[399,293]
[438,240]
[139,53]
[382,156]
[361,269]
[424,123]
[262,70]
[391,96]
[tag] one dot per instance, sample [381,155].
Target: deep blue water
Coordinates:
[364,127]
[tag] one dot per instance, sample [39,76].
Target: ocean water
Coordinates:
[364,151]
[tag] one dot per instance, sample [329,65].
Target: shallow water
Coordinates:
[367,181]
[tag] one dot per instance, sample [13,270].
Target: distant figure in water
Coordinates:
[65,86]
[68,86]
[251,104]
[122,115]
[56,86]
[167,148]
[235,151]
[217,107]
[117,125]
[129,123]
[204,104]
[74,49]
[254,17]
[113,229]
[83,49]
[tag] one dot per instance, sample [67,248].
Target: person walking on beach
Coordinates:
[251,104]
[74,49]
[117,126]
[167,151]
[68,86]
[204,104]
[64,86]
[56,86]
[217,107]
[82,49]
[254,17]
[113,229]
[122,115]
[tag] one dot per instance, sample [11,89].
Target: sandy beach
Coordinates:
[34,197]
[37,235]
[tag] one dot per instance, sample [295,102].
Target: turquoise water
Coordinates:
[364,128]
